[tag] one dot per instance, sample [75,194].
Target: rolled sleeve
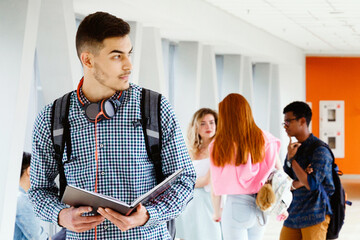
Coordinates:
[321,165]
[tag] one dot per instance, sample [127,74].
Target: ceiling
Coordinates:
[316,26]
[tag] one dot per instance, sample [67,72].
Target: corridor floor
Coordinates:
[351,228]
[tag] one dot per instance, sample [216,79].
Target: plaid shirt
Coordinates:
[124,170]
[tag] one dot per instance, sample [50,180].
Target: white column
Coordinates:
[165,46]
[151,63]
[275,107]
[18,30]
[292,88]
[59,66]
[261,106]
[247,88]
[136,40]
[232,75]
[186,81]
[208,89]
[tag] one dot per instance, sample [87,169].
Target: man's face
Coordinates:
[291,124]
[112,65]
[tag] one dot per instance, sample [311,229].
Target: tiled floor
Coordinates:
[351,228]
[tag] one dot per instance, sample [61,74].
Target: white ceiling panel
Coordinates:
[317,26]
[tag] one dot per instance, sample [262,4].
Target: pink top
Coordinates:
[246,178]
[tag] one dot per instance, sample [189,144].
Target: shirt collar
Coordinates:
[85,100]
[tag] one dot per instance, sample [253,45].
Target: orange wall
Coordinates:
[336,78]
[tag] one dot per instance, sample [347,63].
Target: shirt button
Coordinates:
[101,145]
[105,227]
[102,173]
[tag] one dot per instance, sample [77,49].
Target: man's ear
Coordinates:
[87,59]
[28,171]
[303,121]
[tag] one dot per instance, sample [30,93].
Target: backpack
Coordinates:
[280,184]
[336,202]
[150,122]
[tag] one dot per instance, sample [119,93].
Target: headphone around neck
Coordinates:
[104,109]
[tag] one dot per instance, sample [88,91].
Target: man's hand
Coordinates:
[309,169]
[124,223]
[292,148]
[72,219]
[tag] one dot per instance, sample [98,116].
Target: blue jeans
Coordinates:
[241,219]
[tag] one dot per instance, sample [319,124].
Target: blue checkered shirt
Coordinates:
[125,170]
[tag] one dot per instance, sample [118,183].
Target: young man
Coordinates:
[309,215]
[27,225]
[109,156]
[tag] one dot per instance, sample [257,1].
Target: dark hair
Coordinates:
[96,27]
[25,162]
[299,109]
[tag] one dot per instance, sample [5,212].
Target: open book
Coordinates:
[76,197]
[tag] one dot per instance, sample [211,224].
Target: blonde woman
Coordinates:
[196,221]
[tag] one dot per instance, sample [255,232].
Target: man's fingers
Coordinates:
[295,145]
[88,225]
[80,219]
[113,213]
[115,217]
[110,214]
[91,219]
[85,226]
[290,140]
[83,209]
[110,217]
[139,209]
[82,224]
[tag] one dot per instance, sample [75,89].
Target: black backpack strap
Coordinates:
[151,124]
[320,143]
[150,120]
[60,135]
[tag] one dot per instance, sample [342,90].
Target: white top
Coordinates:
[202,166]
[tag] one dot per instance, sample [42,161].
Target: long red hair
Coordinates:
[237,134]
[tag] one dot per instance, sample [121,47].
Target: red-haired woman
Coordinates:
[242,157]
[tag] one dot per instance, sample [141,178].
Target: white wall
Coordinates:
[262,95]
[17,75]
[231,75]
[152,73]
[187,81]
[208,90]
[292,88]
[59,66]
[136,31]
